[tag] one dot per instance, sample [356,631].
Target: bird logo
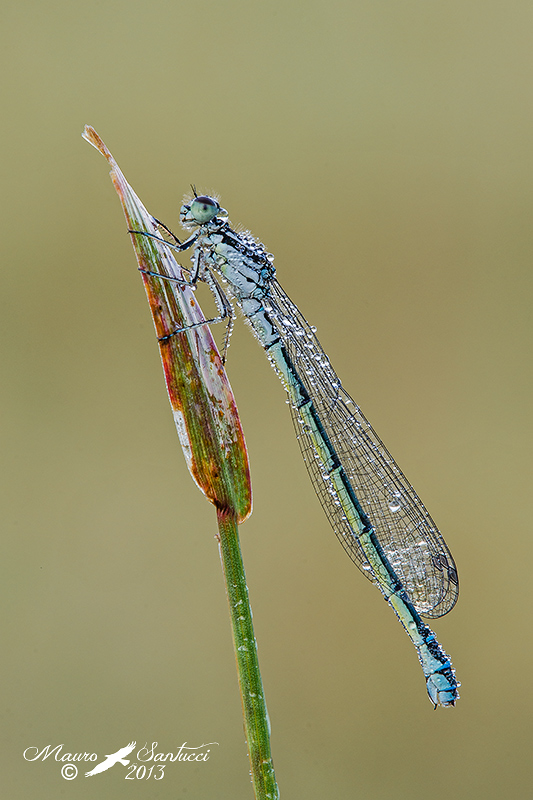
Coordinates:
[112,759]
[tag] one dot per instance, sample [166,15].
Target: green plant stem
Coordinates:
[256,722]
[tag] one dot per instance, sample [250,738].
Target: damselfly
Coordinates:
[374,511]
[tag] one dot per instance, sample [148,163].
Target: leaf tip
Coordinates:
[90,135]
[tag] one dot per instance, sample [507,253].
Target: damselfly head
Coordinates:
[201,210]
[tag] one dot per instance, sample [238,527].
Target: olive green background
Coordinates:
[382,152]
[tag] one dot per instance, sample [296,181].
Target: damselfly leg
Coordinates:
[225,308]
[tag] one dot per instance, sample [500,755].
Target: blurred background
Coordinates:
[382,152]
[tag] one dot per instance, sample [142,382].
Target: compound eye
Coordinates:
[204,209]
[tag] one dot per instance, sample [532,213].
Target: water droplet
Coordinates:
[395,505]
